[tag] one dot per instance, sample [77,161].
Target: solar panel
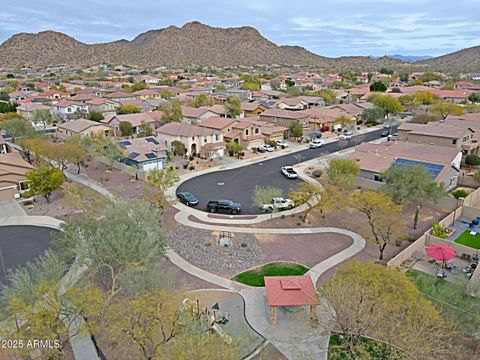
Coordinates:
[125,142]
[152,140]
[433,169]
[150,156]
[133,155]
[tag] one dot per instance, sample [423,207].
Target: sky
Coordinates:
[326,27]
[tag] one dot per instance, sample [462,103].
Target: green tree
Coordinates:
[18,128]
[234,148]
[343,172]
[373,116]
[444,109]
[172,112]
[44,181]
[389,104]
[202,100]
[7,107]
[296,129]
[233,107]
[327,95]
[144,130]
[293,91]
[382,216]
[160,180]
[128,109]
[43,116]
[345,121]
[474,97]
[472,159]
[219,87]
[264,194]
[425,97]
[165,94]
[316,197]
[411,183]
[378,86]
[107,147]
[4,96]
[127,236]
[95,116]
[126,129]
[178,148]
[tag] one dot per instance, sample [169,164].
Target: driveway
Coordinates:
[238,184]
[9,208]
[20,244]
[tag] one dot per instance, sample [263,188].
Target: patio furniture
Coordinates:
[475,222]
[473,266]
[471,225]
[441,273]
[475,257]
[473,232]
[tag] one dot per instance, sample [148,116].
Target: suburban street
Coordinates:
[237,184]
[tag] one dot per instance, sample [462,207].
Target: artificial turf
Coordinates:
[466,239]
[255,276]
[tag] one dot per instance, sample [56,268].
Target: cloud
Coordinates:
[328,27]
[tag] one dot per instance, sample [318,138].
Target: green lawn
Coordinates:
[255,276]
[451,300]
[466,239]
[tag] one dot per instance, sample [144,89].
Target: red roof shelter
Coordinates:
[290,291]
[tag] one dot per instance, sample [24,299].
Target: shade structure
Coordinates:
[440,252]
[290,290]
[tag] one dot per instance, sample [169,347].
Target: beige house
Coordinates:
[28,110]
[196,115]
[286,117]
[247,133]
[197,139]
[440,134]
[83,127]
[13,170]
[106,107]
[134,119]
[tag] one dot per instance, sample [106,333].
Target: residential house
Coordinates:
[106,107]
[146,153]
[146,94]
[224,125]
[197,139]
[13,171]
[141,104]
[286,117]
[247,133]
[83,127]
[134,119]
[327,116]
[195,116]
[273,132]
[292,104]
[118,96]
[440,134]
[442,162]
[253,109]
[67,110]
[28,110]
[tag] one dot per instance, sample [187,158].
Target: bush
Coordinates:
[472,159]
[477,176]
[192,167]
[191,157]
[460,193]
[317,173]
[185,166]
[439,231]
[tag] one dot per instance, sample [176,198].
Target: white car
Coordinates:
[316,143]
[265,148]
[282,143]
[289,172]
[278,204]
[346,136]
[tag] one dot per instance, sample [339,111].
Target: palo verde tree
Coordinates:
[389,104]
[296,129]
[160,180]
[233,107]
[44,181]
[446,108]
[263,195]
[172,112]
[315,197]
[373,116]
[343,172]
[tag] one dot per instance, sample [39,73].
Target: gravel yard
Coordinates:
[200,248]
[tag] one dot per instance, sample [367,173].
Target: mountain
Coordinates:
[410,58]
[459,61]
[192,44]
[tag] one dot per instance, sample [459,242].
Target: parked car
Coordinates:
[282,143]
[316,143]
[385,133]
[347,136]
[265,148]
[289,172]
[278,204]
[224,206]
[392,136]
[187,198]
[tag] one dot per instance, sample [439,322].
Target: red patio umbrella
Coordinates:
[440,252]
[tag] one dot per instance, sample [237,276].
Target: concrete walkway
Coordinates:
[9,208]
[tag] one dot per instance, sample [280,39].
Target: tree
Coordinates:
[10,116]
[446,108]
[293,91]
[373,116]
[95,116]
[18,128]
[234,148]
[472,160]
[343,172]
[344,120]
[128,109]
[425,97]
[135,87]
[474,97]
[126,129]
[411,183]
[378,86]
[172,112]
[202,100]
[75,154]
[40,309]
[389,104]
[178,148]
[296,129]
[264,194]
[382,216]
[107,147]
[161,180]
[219,87]
[35,146]
[275,84]
[372,301]
[233,107]
[7,107]
[144,130]
[44,181]
[316,197]
[4,96]
[127,236]
[327,95]
[386,71]
[165,94]
[43,116]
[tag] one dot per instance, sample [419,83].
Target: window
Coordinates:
[465,138]
[377,178]
[256,130]
[217,137]
[193,138]
[454,141]
[205,139]
[69,110]
[246,132]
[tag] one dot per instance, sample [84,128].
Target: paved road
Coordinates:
[19,244]
[237,184]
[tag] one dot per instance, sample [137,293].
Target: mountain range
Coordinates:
[199,44]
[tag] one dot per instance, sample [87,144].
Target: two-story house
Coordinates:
[67,110]
[28,110]
[286,117]
[197,139]
[134,119]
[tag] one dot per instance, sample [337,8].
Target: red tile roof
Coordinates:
[290,291]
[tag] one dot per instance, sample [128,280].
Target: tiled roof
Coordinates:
[290,291]
[178,129]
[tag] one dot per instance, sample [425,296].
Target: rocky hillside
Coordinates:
[461,61]
[194,43]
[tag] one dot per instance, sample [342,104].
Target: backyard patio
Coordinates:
[466,232]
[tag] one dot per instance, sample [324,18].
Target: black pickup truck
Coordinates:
[224,206]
